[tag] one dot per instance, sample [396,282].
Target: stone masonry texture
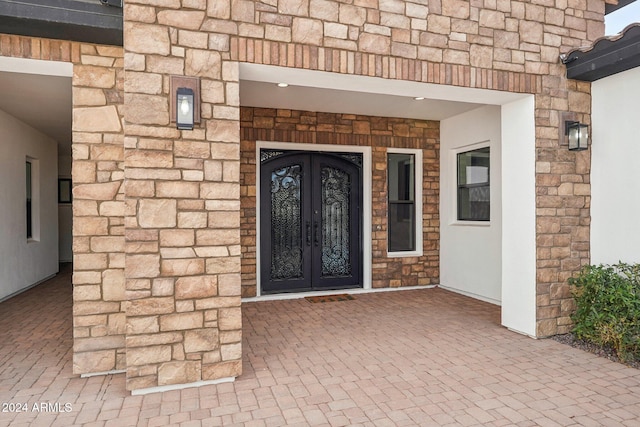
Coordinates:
[181,219]
[159,260]
[98,210]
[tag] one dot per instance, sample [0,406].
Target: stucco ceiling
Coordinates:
[269,95]
[341,93]
[41,101]
[336,93]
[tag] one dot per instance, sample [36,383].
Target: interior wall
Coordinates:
[470,252]
[615,176]
[24,263]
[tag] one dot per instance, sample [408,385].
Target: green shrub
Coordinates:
[608,307]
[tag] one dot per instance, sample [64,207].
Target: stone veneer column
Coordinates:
[563,199]
[98,211]
[182,201]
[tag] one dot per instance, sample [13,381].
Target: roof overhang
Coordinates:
[93,21]
[607,56]
[612,6]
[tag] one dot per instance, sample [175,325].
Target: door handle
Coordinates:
[316,241]
[308,232]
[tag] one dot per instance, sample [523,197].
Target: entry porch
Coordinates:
[427,357]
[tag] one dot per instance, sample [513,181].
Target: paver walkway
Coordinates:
[426,357]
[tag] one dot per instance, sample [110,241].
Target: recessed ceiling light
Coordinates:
[283,84]
[419,98]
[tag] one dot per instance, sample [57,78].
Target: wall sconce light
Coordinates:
[184,101]
[184,108]
[578,135]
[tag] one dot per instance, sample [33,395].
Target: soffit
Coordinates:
[339,93]
[39,94]
[613,5]
[77,20]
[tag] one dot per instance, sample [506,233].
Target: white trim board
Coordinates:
[163,388]
[18,292]
[36,66]
[471,295]
[99,374]
[300,295]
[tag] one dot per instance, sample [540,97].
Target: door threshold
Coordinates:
[300,295]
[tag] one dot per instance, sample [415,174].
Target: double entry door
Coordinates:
[310,221]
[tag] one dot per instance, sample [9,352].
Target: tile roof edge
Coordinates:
[567,57]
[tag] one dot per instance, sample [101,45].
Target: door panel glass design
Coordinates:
[310,221]
[336,230]
[286,224]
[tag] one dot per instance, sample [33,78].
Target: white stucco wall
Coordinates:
[519,216]
[615,169]
[495,261]
[470,252]
[24,263]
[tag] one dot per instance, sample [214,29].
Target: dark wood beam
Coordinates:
[63,19]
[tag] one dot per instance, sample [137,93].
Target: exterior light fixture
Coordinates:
[184,101]
[419,98]
[184,108]
[283,84]
[578,135]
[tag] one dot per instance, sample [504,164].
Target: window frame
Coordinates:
[64,191]
[29,197]
[456,152]
[417,201]
[35,200]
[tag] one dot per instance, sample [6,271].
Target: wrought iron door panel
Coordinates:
[310,222]
[336,243]
[286,217]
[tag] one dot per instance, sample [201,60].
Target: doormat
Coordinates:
[330,298]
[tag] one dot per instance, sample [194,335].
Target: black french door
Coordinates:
[310,221]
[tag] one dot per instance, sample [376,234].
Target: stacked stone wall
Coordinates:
[182,222]
[563,200]
[98,210]
[379,133]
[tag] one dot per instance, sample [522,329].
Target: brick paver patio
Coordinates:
[426,357]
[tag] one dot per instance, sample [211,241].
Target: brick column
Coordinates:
[182,223]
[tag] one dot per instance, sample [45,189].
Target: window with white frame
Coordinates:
[473,185]
[404,196]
